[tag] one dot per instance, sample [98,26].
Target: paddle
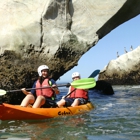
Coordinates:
[82,84]
[95,73]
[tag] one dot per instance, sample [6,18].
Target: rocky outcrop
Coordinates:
[53,32]
[124,70]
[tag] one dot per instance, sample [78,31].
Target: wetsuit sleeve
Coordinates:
[33,91]
[53,82]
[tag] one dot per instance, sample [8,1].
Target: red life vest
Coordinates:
[78,93]
[47,92]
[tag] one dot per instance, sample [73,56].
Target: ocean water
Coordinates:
[115,117]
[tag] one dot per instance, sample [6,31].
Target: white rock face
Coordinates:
[21,23]
[47,24]
[125,67]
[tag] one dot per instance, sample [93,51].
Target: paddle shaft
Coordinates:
[38,88]
[86,83]
[69,93]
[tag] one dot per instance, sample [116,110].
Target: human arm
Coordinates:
[25,91]
[33,91]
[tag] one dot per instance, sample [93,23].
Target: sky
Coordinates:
[125,35]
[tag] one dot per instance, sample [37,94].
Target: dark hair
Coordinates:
[41,79]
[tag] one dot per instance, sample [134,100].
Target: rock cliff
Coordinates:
[124,70]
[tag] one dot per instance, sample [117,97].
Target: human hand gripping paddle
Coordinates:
[84,83]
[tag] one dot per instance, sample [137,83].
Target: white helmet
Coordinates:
[40,68]
[75,74]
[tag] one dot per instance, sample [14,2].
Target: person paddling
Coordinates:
[77,96]
[42,97]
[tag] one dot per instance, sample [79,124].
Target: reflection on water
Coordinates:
[115,117]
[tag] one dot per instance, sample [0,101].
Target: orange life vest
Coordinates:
[78,93]
[47,92]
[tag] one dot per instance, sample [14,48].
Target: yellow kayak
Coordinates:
[16,112]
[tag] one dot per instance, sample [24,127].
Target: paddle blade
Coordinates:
[2,92]
[84,83]
[95,73]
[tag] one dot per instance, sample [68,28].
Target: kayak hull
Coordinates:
[16,112]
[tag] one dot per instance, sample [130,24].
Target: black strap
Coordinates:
[70,93]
